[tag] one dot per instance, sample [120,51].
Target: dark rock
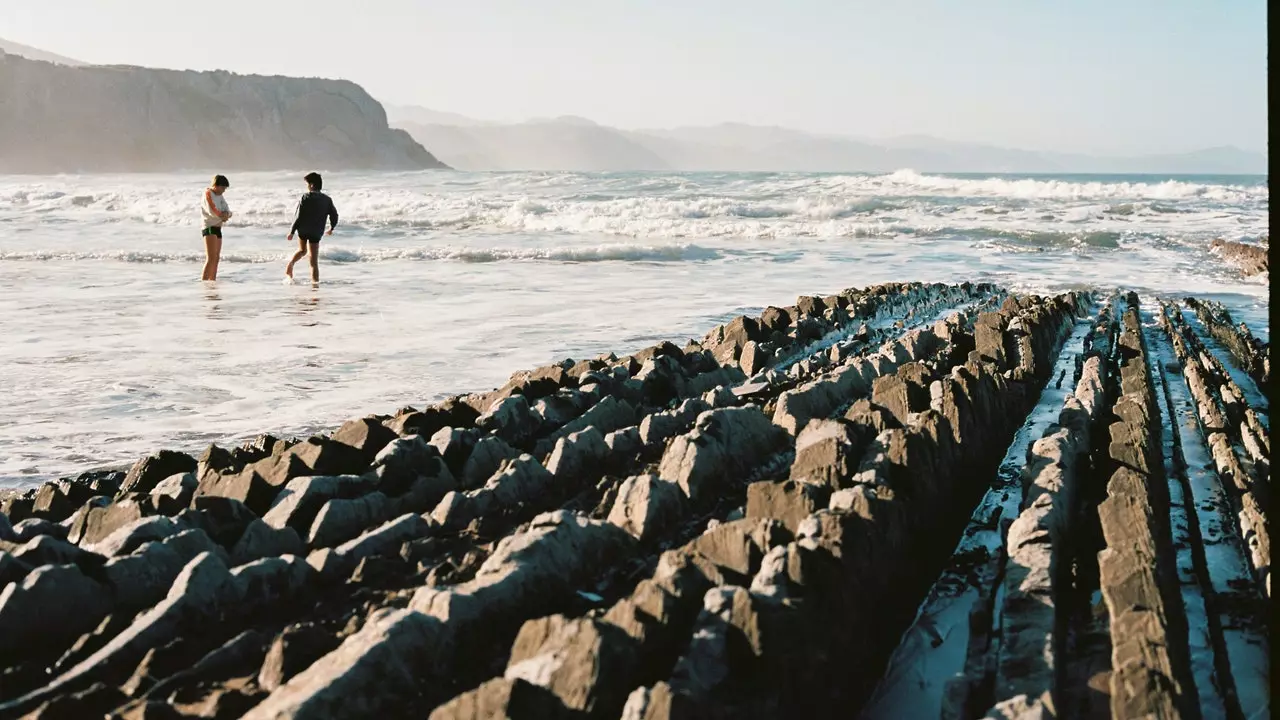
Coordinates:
[31,528]
[319,456]
[1250,259]
[341,520]
[789,502]
[579,456]
[510,418]
[586,663]
[223,519]
[530,574]
[646,506]
[163,661]
[989,338]
[731,547]
[722,443]
[828,452]
[97,701]
[99,522]
[295,649]
[503,698]
[17,507]
[144,475]
[302,498]
[56,501]
[405,461]
[661,702]
[366,435]
[54,604]
[811,305]
[174,493]
[809,329]
[130,537]
[12,570]
[260,540]
[215,458]
[378,671]
[260,447]
[486,457]
[49,550]
[338,563]
[455,446]
[775,319]
[904,392]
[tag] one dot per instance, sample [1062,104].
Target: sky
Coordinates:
[1092,76]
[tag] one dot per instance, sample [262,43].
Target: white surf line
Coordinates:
[1252,393]
[933,649]
[1226,566]
[1203,658]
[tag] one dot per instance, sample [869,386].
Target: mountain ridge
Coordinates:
[736,146]
[118,118]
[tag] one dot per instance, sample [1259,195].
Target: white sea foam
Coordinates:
[437,283]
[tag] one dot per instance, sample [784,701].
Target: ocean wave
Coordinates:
[383,209]
[600,253]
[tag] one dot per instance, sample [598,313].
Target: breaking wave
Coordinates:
[601,253]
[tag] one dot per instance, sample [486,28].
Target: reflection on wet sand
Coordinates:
[213,310]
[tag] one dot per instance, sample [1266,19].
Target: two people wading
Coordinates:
[314,209]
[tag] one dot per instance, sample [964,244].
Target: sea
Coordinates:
[440,282]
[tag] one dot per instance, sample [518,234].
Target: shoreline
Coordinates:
[743,525]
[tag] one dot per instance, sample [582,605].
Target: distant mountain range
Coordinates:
[564,143]
[572,143]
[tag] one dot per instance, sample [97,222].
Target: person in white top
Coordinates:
[214,212]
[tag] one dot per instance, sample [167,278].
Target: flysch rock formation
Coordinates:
[903,501]
[57,118]
[1248,258]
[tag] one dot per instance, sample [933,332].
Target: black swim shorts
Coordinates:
[211,231]
[310,238]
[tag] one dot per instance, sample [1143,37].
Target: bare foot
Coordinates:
[288,271]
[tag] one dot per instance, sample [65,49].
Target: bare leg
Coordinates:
[212,252]
[302,250]
[217,256]
[313,251]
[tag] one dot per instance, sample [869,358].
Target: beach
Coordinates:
[947,499]
[437,284]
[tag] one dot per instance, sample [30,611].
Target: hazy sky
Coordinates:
[1120,76]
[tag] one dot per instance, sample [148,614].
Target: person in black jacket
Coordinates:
[313,209]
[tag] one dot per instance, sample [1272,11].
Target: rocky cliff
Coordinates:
[120,119]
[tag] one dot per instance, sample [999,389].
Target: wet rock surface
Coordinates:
[908,500]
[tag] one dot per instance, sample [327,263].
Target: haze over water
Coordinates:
[437,283]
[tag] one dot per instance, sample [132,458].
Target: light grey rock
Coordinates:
[646,506]
[723,442]
[338,563]
[302,498]
[32,528]
[341,520]
[131,536]
[260,540]
[375,672]
[528,574]
[174,493]
[579,455]
[486,457]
